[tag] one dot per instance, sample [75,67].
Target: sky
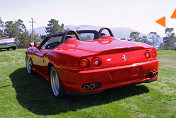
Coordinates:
[139,15]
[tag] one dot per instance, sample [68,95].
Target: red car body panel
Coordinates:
[114,70]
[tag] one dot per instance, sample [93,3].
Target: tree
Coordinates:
[170,39]
[134,36]
[62,27]
[1,23]
[1,33]
[25,39]
[14,29]
[154,37]
[20,26]
[145,40]
[1,27]
[162,46]
[10,29]
[43,37]
[54,27]
[169,31]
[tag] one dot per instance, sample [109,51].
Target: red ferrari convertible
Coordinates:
[87,60]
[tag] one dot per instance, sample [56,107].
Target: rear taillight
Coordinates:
[147,54]
[84,63]
[96,61]
[154,53]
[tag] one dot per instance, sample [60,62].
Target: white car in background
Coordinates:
[10,43]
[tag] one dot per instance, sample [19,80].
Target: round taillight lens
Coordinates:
[84,63]
[154,53]
[147,54]
[96,61]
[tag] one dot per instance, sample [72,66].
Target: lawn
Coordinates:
[23,95]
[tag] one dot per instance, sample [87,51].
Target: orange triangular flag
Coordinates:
[174,14]
[162,21]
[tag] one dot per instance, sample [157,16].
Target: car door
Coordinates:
[40,58]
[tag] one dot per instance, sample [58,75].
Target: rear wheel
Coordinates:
[56,84]
[28,65]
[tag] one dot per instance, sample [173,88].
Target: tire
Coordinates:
[28,65]
[56,84]
[14,48]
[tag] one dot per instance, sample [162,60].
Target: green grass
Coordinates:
[23,95]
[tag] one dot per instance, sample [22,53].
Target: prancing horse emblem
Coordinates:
[124,58]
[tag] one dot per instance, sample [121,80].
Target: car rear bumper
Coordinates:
[109,77]
[98,91]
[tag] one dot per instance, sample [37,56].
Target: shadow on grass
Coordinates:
[34,94]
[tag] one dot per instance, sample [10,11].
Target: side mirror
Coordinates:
[33,44]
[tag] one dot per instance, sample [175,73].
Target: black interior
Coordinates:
[52,45]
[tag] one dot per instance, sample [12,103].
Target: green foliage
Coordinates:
[170,39]
[134,36]
[1,23]
[25,39]
[162,46]
[43,36]
[54,27]
[169,31]
[154,37]
[1,27]
[20,26]
[145,40]
[14,29]
[10,29]
[1,32]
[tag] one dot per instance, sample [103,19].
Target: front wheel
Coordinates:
[56,84]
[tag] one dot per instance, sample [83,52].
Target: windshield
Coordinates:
[86,36]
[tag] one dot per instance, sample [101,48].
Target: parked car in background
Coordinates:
[10,43]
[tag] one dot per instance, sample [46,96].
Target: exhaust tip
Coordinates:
[151,74]
[90,86]
[86,87]
[154,73]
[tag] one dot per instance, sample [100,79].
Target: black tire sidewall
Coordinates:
[61,88]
